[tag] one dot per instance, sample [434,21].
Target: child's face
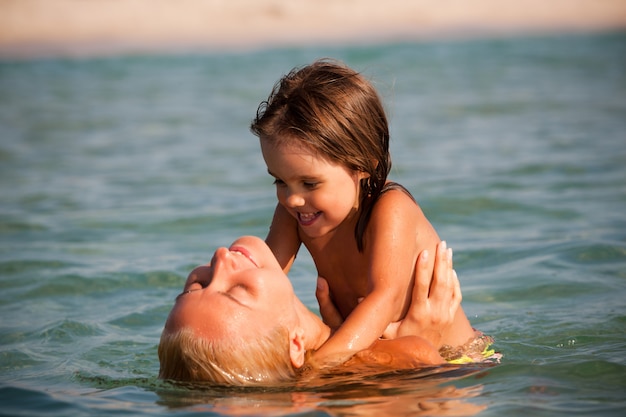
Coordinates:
[319,194]
[243,291]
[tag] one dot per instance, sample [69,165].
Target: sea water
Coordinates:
[119,174]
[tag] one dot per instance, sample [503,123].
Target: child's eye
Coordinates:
[278,182]
[311,185]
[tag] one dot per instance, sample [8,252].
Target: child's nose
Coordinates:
[294,199]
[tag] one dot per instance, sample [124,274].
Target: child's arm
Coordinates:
[363,326]
[460,330]
[436,297]
[391,249]
[283,238]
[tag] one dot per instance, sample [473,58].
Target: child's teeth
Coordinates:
[307,216]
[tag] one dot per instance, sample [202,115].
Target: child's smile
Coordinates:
[318,193]
[307,219]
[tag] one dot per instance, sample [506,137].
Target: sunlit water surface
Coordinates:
[118,175]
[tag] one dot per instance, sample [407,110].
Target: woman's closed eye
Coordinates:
[240,288]
[185,292]
[241,294]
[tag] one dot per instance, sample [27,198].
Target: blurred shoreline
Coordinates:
[32,28]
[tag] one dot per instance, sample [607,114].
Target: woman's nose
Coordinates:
[220,262]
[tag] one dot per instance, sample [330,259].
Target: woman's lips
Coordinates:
[245,252]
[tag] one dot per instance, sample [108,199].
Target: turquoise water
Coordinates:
[118,175]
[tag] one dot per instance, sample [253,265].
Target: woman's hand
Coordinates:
[328,311]
[435,299]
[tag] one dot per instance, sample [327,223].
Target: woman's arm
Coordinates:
[402,353]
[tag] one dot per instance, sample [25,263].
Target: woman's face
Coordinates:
[242,291]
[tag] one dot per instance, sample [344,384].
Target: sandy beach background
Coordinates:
[92,27]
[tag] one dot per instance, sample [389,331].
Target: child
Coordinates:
[325,139]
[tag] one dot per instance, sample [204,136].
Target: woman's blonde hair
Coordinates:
[257,360]
[336,112]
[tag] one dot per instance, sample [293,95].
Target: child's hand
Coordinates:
[328,311]
[435,299]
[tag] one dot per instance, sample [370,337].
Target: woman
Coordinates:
[239,322]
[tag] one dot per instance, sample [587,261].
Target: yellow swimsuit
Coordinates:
[476,350]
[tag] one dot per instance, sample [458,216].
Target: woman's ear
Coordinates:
[296,347]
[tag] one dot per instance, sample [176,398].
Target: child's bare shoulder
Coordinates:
[397,212]
[397,201]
